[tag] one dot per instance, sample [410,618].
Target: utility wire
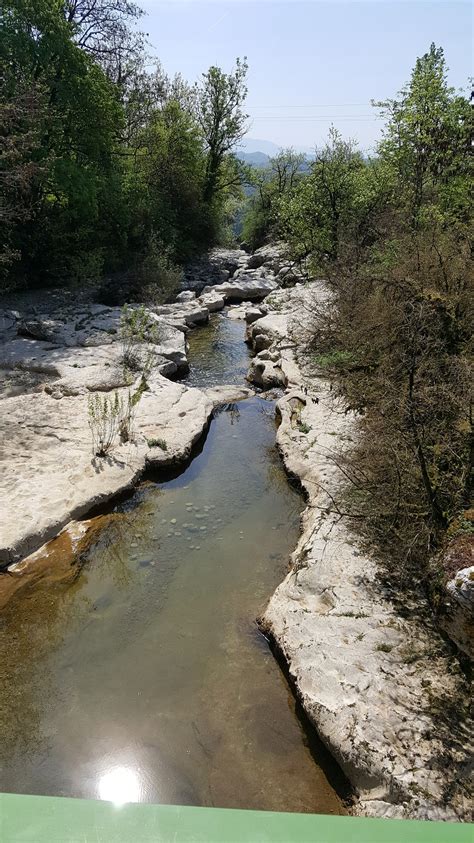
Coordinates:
[320,105]
[324,118]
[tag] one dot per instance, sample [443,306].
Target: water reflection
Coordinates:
[220,341]
[119,785]
[143,678]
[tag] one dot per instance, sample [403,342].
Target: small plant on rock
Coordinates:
[105,418]
[136,329]
[157,443]
[303,427]
[110,418]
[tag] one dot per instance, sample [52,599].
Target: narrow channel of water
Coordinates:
[146,678]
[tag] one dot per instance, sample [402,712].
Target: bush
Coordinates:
[157,443]
[156,278]
[137,329]
[109,419]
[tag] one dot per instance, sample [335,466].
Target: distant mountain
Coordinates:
[255,159]
[256,145]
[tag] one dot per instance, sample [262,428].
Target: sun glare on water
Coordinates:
[119,785]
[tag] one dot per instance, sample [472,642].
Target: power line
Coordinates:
[362,118]
[320,105]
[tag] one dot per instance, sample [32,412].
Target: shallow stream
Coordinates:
[145,678]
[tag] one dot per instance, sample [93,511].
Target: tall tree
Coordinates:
[102,29]
[271,184]
[76,120]
[219,98]
[428,132]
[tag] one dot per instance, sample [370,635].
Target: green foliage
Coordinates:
[313,217]
[218,101]
[109,419]
[71,118]
[273,185]
[106,167]
[157,443]
[334,360]
[393,237]
[136,330]
[303,427]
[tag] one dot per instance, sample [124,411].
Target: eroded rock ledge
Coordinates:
[383,690]
[51,361]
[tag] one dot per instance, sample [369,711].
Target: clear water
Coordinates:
[218,354]
[144,677]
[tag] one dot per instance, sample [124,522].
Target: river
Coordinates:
[144,677]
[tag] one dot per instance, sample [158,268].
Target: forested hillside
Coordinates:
[393,237]
[106,166]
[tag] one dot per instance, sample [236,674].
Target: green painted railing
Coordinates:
[45,819]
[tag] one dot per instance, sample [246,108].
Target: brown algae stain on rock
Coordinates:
[59,560]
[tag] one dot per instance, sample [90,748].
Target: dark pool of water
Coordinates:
[146,678]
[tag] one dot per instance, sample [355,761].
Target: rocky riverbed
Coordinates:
[383,689]
[52,360]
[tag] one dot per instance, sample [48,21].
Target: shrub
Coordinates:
[136,329]
[105,418]
[157,443]
[111,419]
[303,427]
[156,278]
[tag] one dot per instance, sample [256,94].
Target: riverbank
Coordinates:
[380,684]
[375,678]
[52,361]
[132,644]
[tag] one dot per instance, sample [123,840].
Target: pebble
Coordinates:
[134,544]
[202,528]
[177,533]
[173,521]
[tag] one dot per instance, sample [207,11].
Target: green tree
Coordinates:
[218,105]
[167,184]
[428,133]
[75,127]
[314,216]
[271,184]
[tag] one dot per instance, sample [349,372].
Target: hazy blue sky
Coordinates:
[311,63]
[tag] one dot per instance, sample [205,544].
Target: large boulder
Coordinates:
[270,256]
[268,330]
[212,301]
[265,373]
[246,287]
[228,259]
[49,473]
[186,295]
